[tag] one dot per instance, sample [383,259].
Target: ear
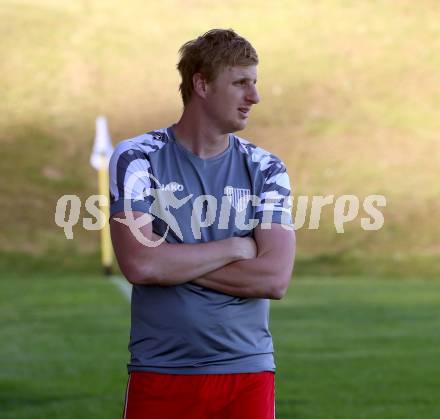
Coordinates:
[200,85]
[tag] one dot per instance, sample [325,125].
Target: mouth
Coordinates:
[244,112]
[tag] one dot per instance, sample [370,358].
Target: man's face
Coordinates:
[230,97]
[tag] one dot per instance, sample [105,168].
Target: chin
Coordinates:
[238,126]
[234,125]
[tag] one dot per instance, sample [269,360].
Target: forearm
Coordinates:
[146,259]
[253,278]
[265,276]
[173,264]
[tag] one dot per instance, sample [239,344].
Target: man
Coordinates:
[201,226]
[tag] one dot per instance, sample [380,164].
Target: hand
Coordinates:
[244,247]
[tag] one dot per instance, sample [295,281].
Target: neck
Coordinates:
[198,135]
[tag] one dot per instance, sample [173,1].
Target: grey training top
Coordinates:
[189,329]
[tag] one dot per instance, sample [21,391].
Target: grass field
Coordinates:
[346,349]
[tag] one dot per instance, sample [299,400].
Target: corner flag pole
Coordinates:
[99,159]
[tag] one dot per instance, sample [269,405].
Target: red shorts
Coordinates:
[152,395]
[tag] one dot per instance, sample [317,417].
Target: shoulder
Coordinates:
[265,160]
[141,145]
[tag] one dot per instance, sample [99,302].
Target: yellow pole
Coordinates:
[106,245]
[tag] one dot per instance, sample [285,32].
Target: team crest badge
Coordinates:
[238,197]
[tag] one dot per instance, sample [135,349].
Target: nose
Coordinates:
[253,96]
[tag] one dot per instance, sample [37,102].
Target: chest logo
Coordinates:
[172,187]
[238,197]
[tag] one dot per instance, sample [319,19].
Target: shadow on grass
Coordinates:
[52,264]
[71,261]
[15,395]
[346,264]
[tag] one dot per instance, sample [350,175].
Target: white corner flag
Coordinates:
[99,159]
[102,146]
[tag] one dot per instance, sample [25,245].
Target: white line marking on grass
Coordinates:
[123,285]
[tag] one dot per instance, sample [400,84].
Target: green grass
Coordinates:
[346,349]
[63,348]
[358,349]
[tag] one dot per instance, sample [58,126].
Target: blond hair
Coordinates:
[209,54]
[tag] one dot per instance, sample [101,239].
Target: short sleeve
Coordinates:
[275,202]
[130,179]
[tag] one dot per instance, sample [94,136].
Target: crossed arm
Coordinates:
[241,267]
